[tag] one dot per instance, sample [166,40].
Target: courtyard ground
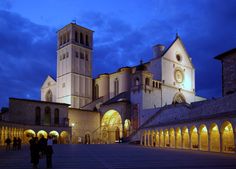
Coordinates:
[119,156]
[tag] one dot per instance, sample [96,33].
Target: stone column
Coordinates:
[145,144]
[190,140]
[199,147]
[175,140]
[209,140]
[234,141]
[141,139]
[221,141]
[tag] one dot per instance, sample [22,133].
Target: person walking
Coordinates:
[49,152]
[8,143]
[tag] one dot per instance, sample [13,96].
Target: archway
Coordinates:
[172,138]
[153,139]
[55,135]
[185,138]
[111,126]
[194,138]
[167,140]
[178,138]
[179,98]
[48,96]
[42,133]
[126,128]
[64,137]
[162,143]
[157,138]
[28,134]
[227,137]
[203,134]
[214,138]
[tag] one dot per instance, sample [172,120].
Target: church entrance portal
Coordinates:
[111,127]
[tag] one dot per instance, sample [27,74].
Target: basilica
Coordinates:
[153,103]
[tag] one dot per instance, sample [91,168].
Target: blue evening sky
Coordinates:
[125,32]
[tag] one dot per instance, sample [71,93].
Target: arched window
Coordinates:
[147,81]
[136,81]
[76,36]
[86,40]
[48,96]
[37,115]
[47,116]
[116,87]
[81,38]
[96,91]
[56,116]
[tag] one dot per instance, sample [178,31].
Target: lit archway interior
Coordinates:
[161,139]
[227,137]
[185,137]
[111,126]
[157,138]
[55,135]
[214,138]
[28,134]
[167,140]
[64,137]
[172,138]
[203,138]
[42,133]
[194,138]
[126,128]
[178,138]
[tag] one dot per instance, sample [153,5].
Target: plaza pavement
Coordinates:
[118,156]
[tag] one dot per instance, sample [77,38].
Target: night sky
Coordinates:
[125,32]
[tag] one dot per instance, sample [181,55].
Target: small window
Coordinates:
[81,55]
[76,36]
[87,40]
[76,54]
[81,38]
[147,81]
[67,54]
[86,56]
[64,56]
[68,36]
[60,40]
[153,84]
[136,82]
[178,57]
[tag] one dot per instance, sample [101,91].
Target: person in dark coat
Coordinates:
[43,145]
[8,143]
[14,143]
[19,143]
[34,152]
[49,152]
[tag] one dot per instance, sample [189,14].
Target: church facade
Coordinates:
[123,100]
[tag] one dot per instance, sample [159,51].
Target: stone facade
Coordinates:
[228,60]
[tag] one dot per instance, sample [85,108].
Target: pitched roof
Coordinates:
[225,54]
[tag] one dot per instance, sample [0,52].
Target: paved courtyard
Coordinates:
[119,157]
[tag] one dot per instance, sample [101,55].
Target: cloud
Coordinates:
[28,55]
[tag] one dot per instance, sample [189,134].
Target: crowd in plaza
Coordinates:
[39,149]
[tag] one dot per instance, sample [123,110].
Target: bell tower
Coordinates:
[74,65]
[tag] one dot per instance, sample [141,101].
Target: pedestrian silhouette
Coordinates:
[34,152]
[14,143]
[8,143]
[49,152]
[19,143]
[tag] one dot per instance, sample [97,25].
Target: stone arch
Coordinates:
[172,137]
[64,137]
[42,133]
[162,141]
[203,137]
[214,138]
[179,98]
[227,135]
[185,135]
[178,138]
[166,139]
[194,138]
[157,138]
[111,126]
[37,115]
[27,135]
[55,136]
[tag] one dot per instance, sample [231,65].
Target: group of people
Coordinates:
[39,148]
[16,143]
